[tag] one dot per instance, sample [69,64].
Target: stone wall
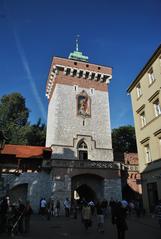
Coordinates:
[64,126]
[112,188]
[38,185]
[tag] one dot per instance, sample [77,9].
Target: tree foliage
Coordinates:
[14,121]
[37,134]
[123,139]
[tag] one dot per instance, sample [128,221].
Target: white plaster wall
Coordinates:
[64,125]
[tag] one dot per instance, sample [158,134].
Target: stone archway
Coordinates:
[18,192]
[88,186]
[84,191]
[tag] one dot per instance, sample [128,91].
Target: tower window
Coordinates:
[92,91]
[75,87]
[82,151]
[83,145]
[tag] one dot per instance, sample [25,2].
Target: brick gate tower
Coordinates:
[78,129]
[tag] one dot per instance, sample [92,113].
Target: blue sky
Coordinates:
[121,34]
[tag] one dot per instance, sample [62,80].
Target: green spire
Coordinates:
[77,55]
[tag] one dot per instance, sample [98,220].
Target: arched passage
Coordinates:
[84,191]
[88,186]
[18,192]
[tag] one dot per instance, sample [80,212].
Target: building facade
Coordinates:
[145,93]
[81,161]
[79,131]
[131,183]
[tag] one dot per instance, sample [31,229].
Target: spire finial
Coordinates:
[77,42]
[77,55]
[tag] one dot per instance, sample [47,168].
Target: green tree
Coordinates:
[14,118]
[37,134]
[123,139]
[14,122]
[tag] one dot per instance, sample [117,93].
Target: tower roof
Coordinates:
[77,55]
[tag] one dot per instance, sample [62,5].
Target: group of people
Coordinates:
[118,216]
[49,208]
[89,209]
[15,218]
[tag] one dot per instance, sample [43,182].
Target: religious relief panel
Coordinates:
[83,104]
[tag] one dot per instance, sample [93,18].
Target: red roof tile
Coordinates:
[24,151]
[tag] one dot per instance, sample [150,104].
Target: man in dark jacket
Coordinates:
[120,220]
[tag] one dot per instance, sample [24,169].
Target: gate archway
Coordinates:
[87,186]
[18,192]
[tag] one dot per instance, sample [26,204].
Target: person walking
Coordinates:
[52,207]
[20,214]
[67,207]
[112,205]
[43,206]
[3,214]
[157,212]
[86,216]
[120,220]
[27,215]
[57,208]
[100,217]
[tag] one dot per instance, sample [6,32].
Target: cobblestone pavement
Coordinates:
[69,228]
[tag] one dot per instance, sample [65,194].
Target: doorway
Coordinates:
[88,187]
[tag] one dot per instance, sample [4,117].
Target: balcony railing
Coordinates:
[80,164]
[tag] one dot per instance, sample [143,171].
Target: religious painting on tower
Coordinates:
[83,104]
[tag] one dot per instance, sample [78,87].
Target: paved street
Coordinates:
[69,228]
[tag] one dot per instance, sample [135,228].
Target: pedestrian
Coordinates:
[92,205]
[48,209]
[105,206]
[131,208]
[57,208]
[86,216]
[27,215]
[138,208]
[120,220]
[67,207]
[52,209]
[74,208]
[157,212]
[112,204]
[43,206]
[3,214]
[100,216]
[20,214]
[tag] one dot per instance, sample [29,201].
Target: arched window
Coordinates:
[82,151]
